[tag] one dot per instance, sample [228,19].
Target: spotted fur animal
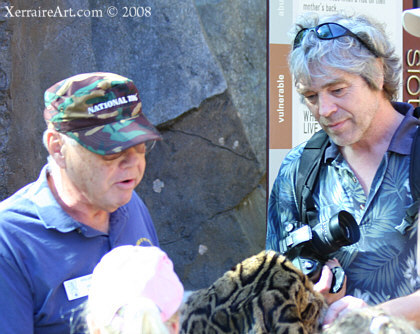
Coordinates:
[263,294]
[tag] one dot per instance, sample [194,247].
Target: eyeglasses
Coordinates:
[150,144]
[330,30]
[145,148]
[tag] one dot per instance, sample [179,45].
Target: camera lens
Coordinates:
[341,230]
[344,230]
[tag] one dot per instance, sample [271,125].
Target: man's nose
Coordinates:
[326,105]
[133,155]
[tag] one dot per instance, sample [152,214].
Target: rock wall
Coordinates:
[200,67]
[5,100]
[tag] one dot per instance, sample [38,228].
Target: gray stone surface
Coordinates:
[200,69]
[165,54]
[212,169]
[5,101]
[236,30]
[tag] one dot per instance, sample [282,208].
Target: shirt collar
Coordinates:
[402,138]
[50,212]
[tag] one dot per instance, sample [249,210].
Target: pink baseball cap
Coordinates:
[130,273]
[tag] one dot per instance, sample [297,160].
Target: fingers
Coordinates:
[334,310]
[324,283]
[331,263]
[341,307]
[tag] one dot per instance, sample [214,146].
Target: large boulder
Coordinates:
[200,69]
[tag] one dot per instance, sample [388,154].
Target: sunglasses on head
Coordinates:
[327,31]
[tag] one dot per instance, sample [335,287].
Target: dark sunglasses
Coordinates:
[327,31]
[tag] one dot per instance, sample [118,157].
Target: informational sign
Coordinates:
[411,63]
[290,122]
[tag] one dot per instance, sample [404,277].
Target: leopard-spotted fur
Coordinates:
[263,294]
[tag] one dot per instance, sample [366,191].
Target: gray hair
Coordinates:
[314,57]
[66,139]
[370,320]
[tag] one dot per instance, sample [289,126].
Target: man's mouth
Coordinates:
[127,183]
[336,125]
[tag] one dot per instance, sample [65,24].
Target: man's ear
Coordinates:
[380,80]
[174,327]
[173,323]
[55,146]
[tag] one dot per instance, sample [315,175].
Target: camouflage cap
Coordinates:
[101,111]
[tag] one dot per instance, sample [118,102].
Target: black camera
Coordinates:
[309,248]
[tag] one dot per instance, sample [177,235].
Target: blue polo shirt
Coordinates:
[45,257]
[382,265]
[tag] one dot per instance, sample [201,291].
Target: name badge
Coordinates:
[77,287]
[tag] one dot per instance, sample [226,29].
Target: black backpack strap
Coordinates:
[310,163]
[416,112]
[414,180]
[415,165]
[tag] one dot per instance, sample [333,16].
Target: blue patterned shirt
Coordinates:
[382,265]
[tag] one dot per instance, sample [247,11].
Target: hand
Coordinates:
[341,307]
[324,284]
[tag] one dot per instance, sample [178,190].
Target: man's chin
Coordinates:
[120,202]
[341,140]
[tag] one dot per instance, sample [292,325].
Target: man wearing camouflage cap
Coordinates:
[54,231]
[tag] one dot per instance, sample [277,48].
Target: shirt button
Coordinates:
[354,179]
[79,230]
[362,206]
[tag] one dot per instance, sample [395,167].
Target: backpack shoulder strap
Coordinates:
[415,166]
[309,165]
[414,181]
[310,162]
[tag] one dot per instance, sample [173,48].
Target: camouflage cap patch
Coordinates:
[102,111]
